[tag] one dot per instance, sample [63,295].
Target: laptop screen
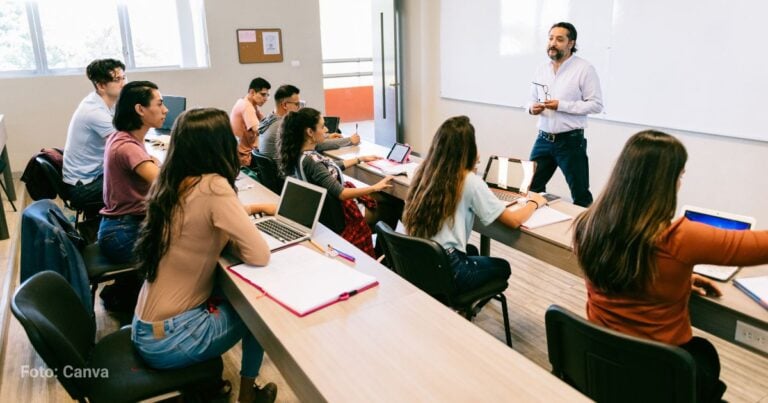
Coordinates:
[718,219]
[175,106]
[300,203]
[517,177]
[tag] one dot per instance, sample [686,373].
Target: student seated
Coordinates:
[193,213]
[287,100]
[446,195]
[128,169]
[301,131]
[639,263]
[91,125]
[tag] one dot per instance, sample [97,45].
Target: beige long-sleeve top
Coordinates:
[212,217]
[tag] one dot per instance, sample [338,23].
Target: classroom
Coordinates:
[722,173]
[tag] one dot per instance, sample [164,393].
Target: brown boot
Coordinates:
[265,394]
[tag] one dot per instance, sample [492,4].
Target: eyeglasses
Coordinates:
[264,94]
[119,79]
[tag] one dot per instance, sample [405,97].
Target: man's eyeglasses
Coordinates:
[299,104]
[264,94]
[119,79]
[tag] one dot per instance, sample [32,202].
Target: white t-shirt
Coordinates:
[476,200]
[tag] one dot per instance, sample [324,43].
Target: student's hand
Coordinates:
[355,139]
[537,109]
[552,104]
[334,135]
[538,198]
[264,208]
[704,286]
[367,158]
[383,184]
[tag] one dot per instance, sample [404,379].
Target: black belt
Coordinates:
[126,217]
[552,137]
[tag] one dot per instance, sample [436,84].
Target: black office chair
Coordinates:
[56,182]
[63,334]
[2,184]
[266,169]
[609,366]
[425,264]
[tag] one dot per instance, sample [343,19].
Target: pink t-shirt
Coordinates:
[245,124]
[124,190]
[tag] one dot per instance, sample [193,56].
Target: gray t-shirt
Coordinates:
[476,200]
[321,171]
[87,135]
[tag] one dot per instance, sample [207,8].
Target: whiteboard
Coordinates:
[683,64]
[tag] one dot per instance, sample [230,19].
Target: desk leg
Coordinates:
[3,224]
[485,245]
[7,177]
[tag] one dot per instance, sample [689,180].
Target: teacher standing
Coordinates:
[564,91]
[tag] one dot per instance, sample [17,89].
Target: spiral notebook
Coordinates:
[304,281]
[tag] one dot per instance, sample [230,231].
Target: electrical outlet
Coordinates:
[752,336]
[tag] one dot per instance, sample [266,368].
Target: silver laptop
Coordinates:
[297,214]
[508,178]
[721,220]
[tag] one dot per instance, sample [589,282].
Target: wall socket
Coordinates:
[752,336]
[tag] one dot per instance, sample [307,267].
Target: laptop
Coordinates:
[720,220]
[296,217]
[396,161]
[508,178]
[332,123]
[175,105]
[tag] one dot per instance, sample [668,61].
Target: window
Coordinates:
[51,36]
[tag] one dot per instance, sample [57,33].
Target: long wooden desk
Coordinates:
[389,343]
[552,244]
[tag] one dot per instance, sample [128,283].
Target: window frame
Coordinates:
[188,45]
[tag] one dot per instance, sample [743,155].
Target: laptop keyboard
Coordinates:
[717,272]
[278,231]
[505,195]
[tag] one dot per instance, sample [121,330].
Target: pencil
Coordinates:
[317,245]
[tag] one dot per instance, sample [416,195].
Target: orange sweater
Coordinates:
[661,312]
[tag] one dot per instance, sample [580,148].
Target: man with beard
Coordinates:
[563,92]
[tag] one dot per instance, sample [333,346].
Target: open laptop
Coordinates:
[721,220]
[175,105]
[332,123]
[296,217]
[508,178]
[396,162]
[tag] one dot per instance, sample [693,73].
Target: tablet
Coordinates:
[399,152]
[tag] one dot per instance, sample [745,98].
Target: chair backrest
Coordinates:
[53,176]
[266,168]
[57,325]
[422,262]
[609,366]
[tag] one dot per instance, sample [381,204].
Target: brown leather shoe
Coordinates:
[265,394]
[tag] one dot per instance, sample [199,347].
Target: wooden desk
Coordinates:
[390,343]
[552,244]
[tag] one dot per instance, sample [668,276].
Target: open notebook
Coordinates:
[304,281]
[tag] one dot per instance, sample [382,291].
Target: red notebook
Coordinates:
[303,280]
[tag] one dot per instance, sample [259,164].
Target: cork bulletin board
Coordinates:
[260,45]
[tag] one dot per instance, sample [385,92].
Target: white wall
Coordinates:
[722,173]
[37,110]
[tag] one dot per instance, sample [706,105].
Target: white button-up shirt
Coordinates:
[577,89]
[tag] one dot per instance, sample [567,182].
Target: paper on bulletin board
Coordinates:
[271,41]
[246,36]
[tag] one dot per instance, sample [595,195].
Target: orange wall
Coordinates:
[352,104]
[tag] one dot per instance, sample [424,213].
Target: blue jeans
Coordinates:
[470,272]
[194,336]
[117,235]
[569,152]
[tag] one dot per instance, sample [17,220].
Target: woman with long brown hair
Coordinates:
[193,213]
[639,262]
[446,195]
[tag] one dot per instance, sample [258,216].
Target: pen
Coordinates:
[342,254]
[355,127]
[316,245]
[346,295]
